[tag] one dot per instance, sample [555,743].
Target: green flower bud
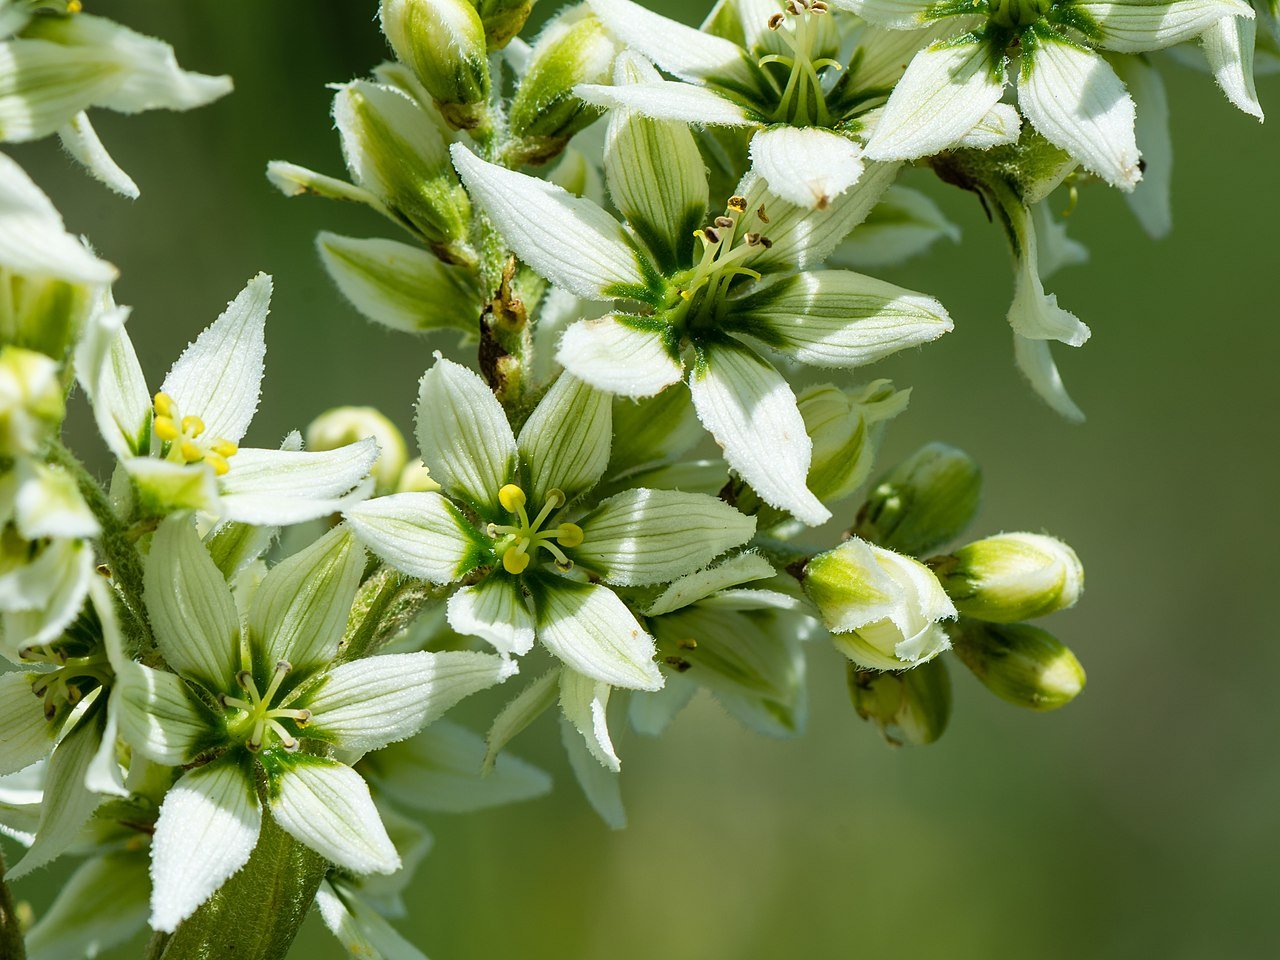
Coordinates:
[416,478]
[42,313]
[31,400]
[443,42]
[883,609]
[910,707]
[1012,577]
[396,151]
[342,425]
[924,501]
[503,19]
[572,49]
[1020,663]
[846,427]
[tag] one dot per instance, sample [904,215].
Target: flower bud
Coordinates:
[416,478]
[924,501]
[342,425]
[1012,577]
[503,19]
[443,42]
[572,49]
[43,313]
[882,608]
[395,150]
[1020,663]
[846,428]
[909,707]
[31,400]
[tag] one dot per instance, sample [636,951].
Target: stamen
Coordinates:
[776,21]
[164,405]
[511,497]
[737,203]
[192,426]
[569,535]
[724,223]
[515,560]
[165,429]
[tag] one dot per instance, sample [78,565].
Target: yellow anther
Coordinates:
[555,499]
[192,426]
[165,428]
[569,535]
[219,464]
[74,6]
[515,561]
[164,404]
[190,452]
[512,499]
[224,448]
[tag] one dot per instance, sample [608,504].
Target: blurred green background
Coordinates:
[1139,822]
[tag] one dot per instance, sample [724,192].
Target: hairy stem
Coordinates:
[387,603]
[257,913]
[11,944]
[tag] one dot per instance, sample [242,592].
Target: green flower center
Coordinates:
[1018,13]
[255,719]
[71,680]
[723,251]
[803,101]
[518,541]
[184,440]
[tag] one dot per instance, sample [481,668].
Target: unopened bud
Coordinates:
[1012,577]
[416,478]
[924,501]
[43,313]
[31,401]
[909,707]
[443,42]
[343,425]
[1020,663]
[503,19]
[846,427]
[572,49]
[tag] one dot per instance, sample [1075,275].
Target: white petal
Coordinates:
[640,537]
[1036,363]
[804,165]
[326,805]
[107,368]
[1033,313]
[525,707]
[671,100]
[439,770]
[1076,101]
[300,609]
[565,442]
[161,487]
[48,504]
[81,141]
[1150,200]
[584,702]
[207,829]
[219,376]
[750,410]
[25,735]
[101,906]
[160,717]
[588,628]
[1127,26]
[32,238]
[366,704]
[464,436]
[599,784]
[567,239]
[421,534]
[297,474]
[837,318]
[948,88]
[495,611]
[1228,46]
[696,586]
[46,84]
[898,14]
[400,286]
[1000,126]
[625,355]
[651,713]
[359,928]
[192,613]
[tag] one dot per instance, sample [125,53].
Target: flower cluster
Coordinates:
[646,236]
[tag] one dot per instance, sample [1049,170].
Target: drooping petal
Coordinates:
[1036,363]
[655,173]
[599,784]
[904,223]
[624,355]
[1134,26]
[208,826]
[592,631]
[584,701]
[107,368]
[671,100]
[1150,200]
[1033,313]
[192,612]
[642,536]
[300,609]
[464,436]
[565,442]
[326,805]
[651,713]
[567,239]
[837,318]
[495,611]
[947,89]
[421,534]
[25,735]
[696,586]
[360,929]
[525,707]
[1228,46]
[750,410]
[368,703]
[160,717]
[1076,101]
[101,906]
[806,166]
[81,141]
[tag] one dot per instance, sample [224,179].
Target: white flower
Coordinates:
[180,446]
[276,685]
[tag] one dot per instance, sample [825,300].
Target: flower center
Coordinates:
[1018,13]
[73,678]
[182,437]
[518,541]
[722,254]
[256,720]
[803,101]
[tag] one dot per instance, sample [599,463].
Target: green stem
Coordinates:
[257,913]
[121,556]
[387,603]
[11,944]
